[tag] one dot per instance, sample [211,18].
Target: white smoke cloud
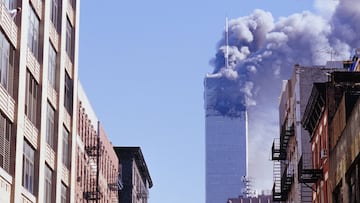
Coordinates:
[263,52]
[326,8]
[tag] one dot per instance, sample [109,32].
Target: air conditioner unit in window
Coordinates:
[323,153]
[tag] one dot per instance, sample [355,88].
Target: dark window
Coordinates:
[337,194]
[66,148]
[50,126]
[28,167]
[6,63]
[52,67]
[33,34]
[5,139]
[68,100]
[32,100]
[64,194]
[48,185]
[69,40]
[354,184]
[54,13]
[73,3]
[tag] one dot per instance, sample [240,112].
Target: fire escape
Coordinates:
[307,174]
[93,150]
[282,173]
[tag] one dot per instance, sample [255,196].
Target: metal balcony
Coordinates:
[91,151]
[307,174]
[287,131]
[277,153]
[93,195]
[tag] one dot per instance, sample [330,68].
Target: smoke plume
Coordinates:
[262,52]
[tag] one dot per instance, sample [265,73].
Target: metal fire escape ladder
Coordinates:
[283,178]
[285,134]
[93,150]
[276,190]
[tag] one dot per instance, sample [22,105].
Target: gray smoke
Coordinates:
[263,52]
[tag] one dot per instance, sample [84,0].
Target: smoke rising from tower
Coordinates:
[263,51]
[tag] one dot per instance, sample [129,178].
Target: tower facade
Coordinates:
[226,142]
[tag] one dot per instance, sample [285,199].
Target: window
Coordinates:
[10,4]
[64,193]
[6,63]
[32,100]
[72,3]
[69,39]
[353,183]
[337,194]
[52,67]
[68,93]
[65,151]
[28,167]
[54,13]
[50,126]
[33,34]
[48,185]
[5,139]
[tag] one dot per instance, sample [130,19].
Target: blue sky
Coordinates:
[142,65]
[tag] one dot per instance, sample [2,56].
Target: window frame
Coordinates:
[9,4]
[28,167]
[68,100]
[48,186]
[6,63]
[34,33]
[32,98]
[64,193]
[66,148]
[50,126]
[52,66]
[69,40]
[5,139]
[54,13]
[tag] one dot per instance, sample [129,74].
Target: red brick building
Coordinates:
[331,117]
[96,161]
[315,120]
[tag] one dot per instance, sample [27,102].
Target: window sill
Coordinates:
[28,195]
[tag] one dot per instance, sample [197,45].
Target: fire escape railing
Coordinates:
[282,177]
[93,150]
[307,173]
[278,149]
[282,186]
[287,131]
[116,186]
[277,153]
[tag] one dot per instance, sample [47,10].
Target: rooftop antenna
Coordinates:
[226,43]
[330,51]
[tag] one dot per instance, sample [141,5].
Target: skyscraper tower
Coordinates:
[226,140]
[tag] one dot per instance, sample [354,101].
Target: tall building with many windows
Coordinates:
[226,143]
[38,55]
[38,51]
